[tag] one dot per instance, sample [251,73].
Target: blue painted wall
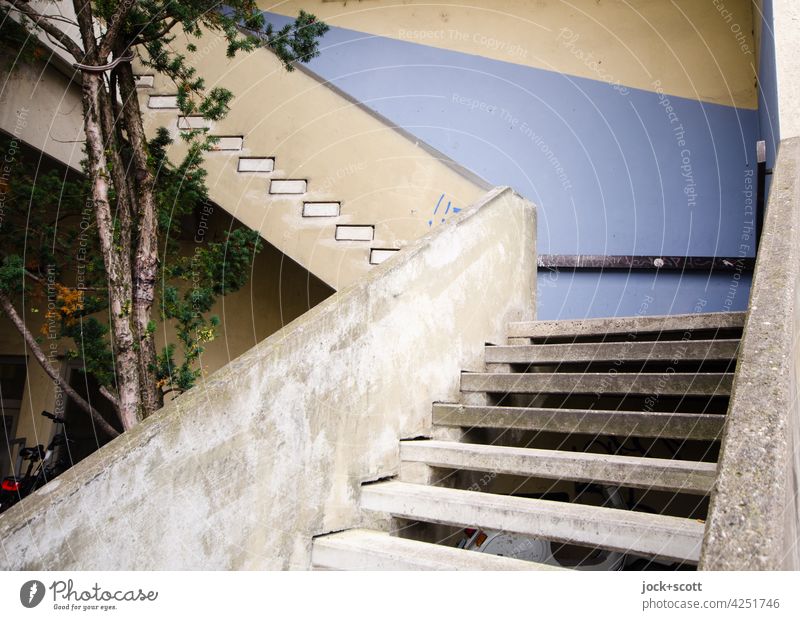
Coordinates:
[768,123]
[614,170]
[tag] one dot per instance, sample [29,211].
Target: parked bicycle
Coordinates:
[42,466]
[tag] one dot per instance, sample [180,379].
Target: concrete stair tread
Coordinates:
[361,549]
[693,350]
[623,423]
[651,535]
[618,470]
[624,325]
[679,384]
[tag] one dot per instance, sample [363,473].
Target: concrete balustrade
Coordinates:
[243,470]
[753,517]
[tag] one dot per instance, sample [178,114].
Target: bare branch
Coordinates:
[109,40]
[112,398]
[45,22]
[158,35]
[8,308]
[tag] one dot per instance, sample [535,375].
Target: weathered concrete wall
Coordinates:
[42,107]
[753,516]
[279,291]
[241,471]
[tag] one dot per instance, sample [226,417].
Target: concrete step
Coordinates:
[676,384]
[627,325]
[380,255]
[372,550]
[692,350]
[651,535]
[590,421]
[625,471]
[354,232]
[255,164]
[322,209]
[288,186]
[163,102]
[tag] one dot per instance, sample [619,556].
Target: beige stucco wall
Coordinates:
[242,471]
[381,176]
[43,109]
[699,50]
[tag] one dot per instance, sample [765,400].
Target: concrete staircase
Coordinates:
[331,184]
[566,409]
[163,110]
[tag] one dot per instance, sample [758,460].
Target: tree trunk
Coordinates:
[119,277]
[145,267]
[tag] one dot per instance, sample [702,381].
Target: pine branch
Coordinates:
[158,35]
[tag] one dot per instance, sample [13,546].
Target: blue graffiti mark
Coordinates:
[446,211]
[436,208]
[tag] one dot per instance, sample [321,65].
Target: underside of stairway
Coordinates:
[584,445]
[334,187]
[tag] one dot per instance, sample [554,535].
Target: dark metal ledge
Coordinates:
[661,263]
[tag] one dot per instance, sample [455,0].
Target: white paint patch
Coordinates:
[287,186]
[228,143]
[378,255]
[162,102]
[144,81]
[321,209]
[193,122]
[354,233]
[256,164]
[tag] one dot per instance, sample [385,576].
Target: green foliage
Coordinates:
[49,245]
[49,251]
[11,274]
[192,284]
[244,27]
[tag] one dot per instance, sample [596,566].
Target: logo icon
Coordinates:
[31,593]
